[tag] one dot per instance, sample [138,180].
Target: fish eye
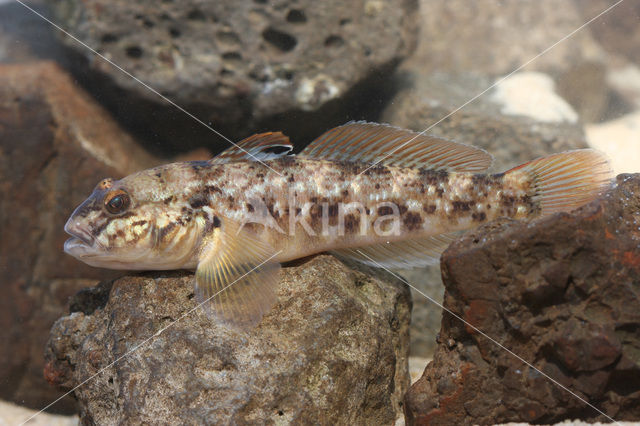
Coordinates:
[117,201]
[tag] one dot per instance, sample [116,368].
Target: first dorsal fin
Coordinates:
[372,142]
[259,147]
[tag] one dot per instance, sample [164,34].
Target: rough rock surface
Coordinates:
[55,145]
[235,64]
[563,293]
[332,351]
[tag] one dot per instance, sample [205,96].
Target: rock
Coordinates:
[585,88]
[619,140]
[532,94]
[238,65]
[617,30]
[333,350]
[425,315]
[494,38]
[11,414]
[561,292]
[55,145]
[24,36]
[625,81]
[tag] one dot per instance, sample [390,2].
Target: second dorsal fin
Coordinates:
[372,142]
[259,147]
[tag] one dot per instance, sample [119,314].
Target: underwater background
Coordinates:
[107,88]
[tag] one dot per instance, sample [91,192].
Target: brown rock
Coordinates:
[55,145]
[238,65]
[332,351]
[562,293]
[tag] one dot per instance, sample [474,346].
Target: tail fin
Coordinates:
[568,180]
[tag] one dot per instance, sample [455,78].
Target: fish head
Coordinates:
[123,225]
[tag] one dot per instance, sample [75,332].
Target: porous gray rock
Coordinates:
[562,292]
[55,145]
[237,65]
[332,351]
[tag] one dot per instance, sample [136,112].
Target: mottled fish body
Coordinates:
[237,217]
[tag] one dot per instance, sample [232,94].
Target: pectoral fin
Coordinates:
[237,276]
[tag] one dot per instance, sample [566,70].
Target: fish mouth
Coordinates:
[80,239]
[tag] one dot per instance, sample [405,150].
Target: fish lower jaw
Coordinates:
[77,247]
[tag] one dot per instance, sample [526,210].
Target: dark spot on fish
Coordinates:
[488,206]
[298,210]
[332,212]
[507,200]
[351,223]
[168,200]
[430,209]
[433,177]
[461,206]
[250,208]
[139,223]
[412,220]
[164,231]
[271,209]
[480,179]
[378,170]
[209,189]
[291,178]
[197,201]
[187,215]
[216,222]
[368,211]
[158,174]
[479,217]
[314,200]
[377,186]
[315,211]
[260,175]
[439,192]
[385,211]
[345,193]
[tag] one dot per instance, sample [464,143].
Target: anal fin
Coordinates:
[237,277]
[405,254]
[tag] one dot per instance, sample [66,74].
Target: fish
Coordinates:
[378,194]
